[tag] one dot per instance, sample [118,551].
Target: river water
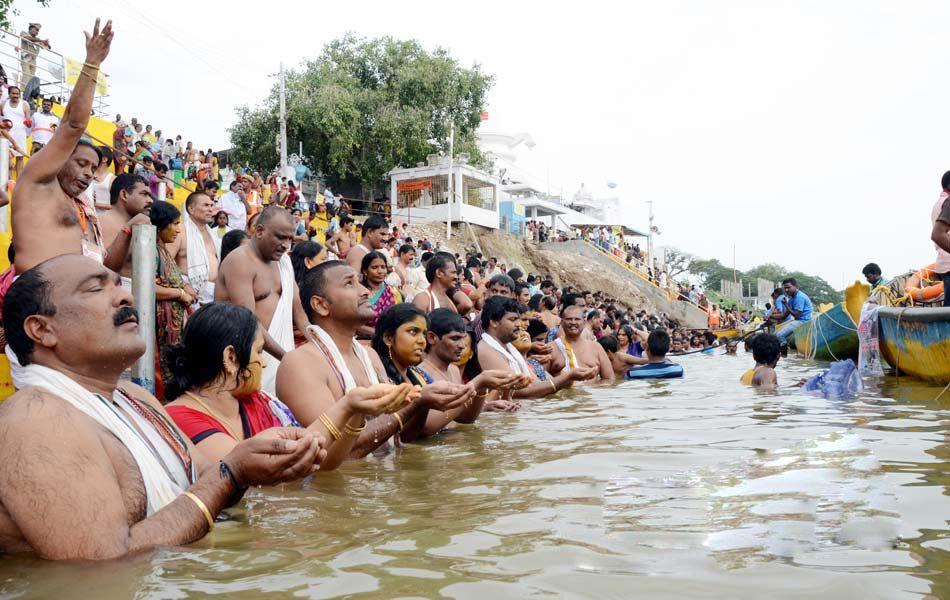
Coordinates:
[670,489]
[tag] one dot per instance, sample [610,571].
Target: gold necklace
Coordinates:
[214,414]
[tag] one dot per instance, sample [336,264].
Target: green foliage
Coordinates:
[365,107]
[7,10]
[712,272]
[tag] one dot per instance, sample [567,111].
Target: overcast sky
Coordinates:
[812,134]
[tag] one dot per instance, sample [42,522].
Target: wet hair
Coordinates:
[406,249]
[535,302]
[163,214]
[392,319]
[31,294]
[516,274]
[502,280]
[609,343]
[373,223]
[496,308]
[426,256]
[106,152]
[124,182]
[314,283]
[438,261]
[367,261]
[197,359]
[766,348]
[871,268]
[790,280]
[658,342]
[345,220]
[302,251]
[231,241]
[536,327]
[628,330]
[443,321]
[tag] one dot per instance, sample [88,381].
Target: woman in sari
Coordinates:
[373,271]
[172,300]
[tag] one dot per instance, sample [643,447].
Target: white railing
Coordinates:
[50,71]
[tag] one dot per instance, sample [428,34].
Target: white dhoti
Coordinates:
[199,264]
[281,325]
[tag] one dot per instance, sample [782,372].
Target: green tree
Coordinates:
[7,10]
[365,107]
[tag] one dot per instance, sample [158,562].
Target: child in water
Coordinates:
[620,361]
[657,367]
[766,350]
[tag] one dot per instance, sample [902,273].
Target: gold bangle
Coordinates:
[201,506]
[553,385]
[354,431]
[331,428]
[399,419]
[90,65]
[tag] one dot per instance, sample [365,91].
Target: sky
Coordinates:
[810,134]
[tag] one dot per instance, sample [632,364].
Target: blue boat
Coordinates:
[916,341]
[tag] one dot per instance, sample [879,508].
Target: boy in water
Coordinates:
[766,350]
[620,361]
[657,367]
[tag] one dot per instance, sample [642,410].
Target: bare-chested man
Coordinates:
[580,351]
[443,274]
[93,469]
[448,337]
[49,216]
[318,379]
[375,233]
[129,199]
[501,321]
[339,243]
[196,250]
[260,276]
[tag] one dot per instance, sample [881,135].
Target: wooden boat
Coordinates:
[833,333]
[916,341]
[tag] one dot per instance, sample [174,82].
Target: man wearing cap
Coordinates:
[30,45]
[235,204]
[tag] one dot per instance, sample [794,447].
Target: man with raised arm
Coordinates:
[319,379]
[501,320]
[49,217]
[375,232]
[260,276]
[94,469]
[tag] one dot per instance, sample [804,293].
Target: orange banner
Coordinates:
[414,185]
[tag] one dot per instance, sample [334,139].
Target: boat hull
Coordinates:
[916,341]
[830,335]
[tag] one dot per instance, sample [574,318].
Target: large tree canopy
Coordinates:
[365,107]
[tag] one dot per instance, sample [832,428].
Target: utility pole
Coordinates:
[283,121]
[650,237]
[448,219]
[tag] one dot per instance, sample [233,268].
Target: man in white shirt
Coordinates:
[44,124]
[234,203]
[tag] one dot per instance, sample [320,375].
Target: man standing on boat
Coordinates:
[797,305]
[940,215]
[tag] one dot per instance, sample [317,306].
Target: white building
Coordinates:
[421,193]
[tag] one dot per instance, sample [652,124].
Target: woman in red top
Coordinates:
[216,380]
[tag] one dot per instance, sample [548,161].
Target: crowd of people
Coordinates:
[286,344]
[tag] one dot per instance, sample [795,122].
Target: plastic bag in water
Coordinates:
[869,353]
[840,381]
